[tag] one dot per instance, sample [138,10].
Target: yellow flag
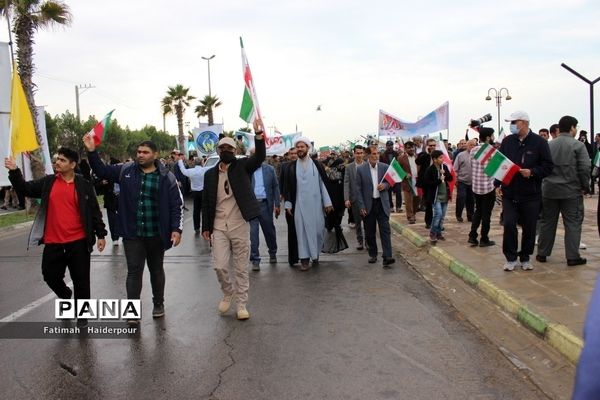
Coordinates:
[22,132]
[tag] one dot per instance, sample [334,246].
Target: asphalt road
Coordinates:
[344,330]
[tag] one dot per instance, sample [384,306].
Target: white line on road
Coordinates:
[32,306]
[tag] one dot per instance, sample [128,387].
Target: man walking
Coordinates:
[196,176]
[292,240]
[306,198]
[521,198]
[562,192]
[388,155]
[373,202]
[350,190]
[423,162]
[68,222]
[229,203]
[462,167]
[266,190]
[408,162]
[150,216]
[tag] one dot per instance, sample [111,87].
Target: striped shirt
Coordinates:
[481,183]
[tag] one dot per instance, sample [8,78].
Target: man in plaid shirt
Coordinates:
[484,194]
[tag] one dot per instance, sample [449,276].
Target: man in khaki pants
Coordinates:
[229,203]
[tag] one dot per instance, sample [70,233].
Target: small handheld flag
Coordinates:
[100,129]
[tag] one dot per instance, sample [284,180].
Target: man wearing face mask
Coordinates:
[521,198]
[229,205]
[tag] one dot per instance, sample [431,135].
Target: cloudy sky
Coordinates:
[353,57]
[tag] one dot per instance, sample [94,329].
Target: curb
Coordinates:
[15,227]
[557,335]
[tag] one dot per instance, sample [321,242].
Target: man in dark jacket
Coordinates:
[423,162]
[150,216]
[229,203]
[67,222]
[521,198]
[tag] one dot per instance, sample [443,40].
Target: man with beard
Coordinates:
[150,216]
[306,198]
[289,219]
[350,190]
[423,162]
[230,203]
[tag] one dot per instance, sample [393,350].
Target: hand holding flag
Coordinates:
[97,133]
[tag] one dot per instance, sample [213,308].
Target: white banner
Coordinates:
[206,138]
[276,144]
[5,76]
[435,121]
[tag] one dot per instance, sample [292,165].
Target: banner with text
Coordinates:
[435,121]
[276,144]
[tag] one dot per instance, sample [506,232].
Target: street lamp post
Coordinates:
[591,83]
[498,95]
[208,60]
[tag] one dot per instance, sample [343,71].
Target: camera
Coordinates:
[477,122]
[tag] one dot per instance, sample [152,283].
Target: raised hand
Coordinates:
[88,142]
[10,164]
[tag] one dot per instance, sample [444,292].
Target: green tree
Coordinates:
[206,107]
[52,133]
[176,101]
[28,16]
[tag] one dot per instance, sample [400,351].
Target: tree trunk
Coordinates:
[181,138]
[209,113]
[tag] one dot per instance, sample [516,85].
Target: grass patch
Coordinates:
[15,218]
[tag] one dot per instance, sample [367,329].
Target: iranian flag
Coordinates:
[484,153]
[394,173]
[249,110]
[501,168]
[98,131]
[447,161]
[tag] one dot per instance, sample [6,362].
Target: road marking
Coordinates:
[32,306]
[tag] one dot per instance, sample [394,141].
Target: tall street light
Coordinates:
[498,95]
[591,83]
[208,60]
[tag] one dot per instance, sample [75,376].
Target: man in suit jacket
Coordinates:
[374,204]
[266,190]
[350,189]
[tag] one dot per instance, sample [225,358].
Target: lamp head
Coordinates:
[488,97]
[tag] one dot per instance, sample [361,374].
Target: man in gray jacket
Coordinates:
[349,192]
[562,192]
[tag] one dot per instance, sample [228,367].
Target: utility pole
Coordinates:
[591,83]
[77,87]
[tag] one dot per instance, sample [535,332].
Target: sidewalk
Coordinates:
[551,300]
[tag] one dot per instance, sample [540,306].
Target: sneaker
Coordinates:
[473,242]
[158,311]
[242,313]
[510,265]
[582,246]
[433,237]
[272,259]
[486,243]
[578,261]
[225,303]
[255,266]
[526,265]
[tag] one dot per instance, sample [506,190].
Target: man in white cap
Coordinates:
[522,196]
[306,198]
[229,203]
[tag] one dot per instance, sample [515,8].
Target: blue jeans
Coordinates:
[265,220]
[439,213]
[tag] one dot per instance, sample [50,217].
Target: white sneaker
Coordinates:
[582,246]
[225,303]
[526,265]
[510,265]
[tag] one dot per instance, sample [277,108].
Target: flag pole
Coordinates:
[10,42]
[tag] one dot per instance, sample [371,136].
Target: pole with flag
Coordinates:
[22,130]
[100,129]
[249,110]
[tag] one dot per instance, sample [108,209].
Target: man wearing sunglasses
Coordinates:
[229,205]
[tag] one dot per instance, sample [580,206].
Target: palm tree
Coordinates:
[166,108]
[29,17]
[205,109]
[176,100]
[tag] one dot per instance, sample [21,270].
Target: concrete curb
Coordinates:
[15,227]
[558,336]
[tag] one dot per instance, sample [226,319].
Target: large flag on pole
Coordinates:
[5,76]
[100,129]
[22,131]
[249,110]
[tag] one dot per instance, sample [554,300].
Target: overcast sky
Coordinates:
[353,57]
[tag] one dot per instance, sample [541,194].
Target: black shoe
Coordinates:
[459,219]
[473,242]
[315,263]
[387,262]
[82,322]
[486,243]
[4,208]
[469,219]
[255,266]
[360,247]
[427,226]
[273,260]
[578,261]
[158,311]
[372,260]
[133,322]
[541,259]
[304,264]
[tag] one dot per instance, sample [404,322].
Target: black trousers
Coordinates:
[484,204]
[113,224]
[138,251]
[56,258]
[464,199]
[396,189]
[378,217]
[525,212]
[292,239]
[197,209]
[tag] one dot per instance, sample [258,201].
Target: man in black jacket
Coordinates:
[67,222]
[229,203]
[521,198]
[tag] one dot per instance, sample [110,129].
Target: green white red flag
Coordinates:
[249,110]
[597,160]
[501,168]
[441,146]
[100,129]
[485,152]
[395,173]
